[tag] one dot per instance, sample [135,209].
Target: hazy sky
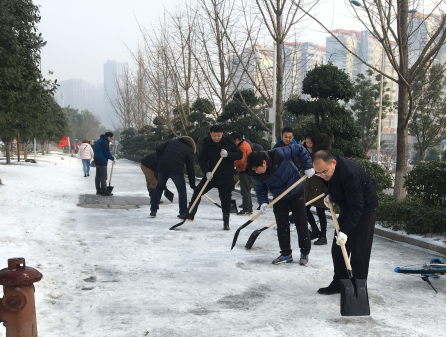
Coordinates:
[83,34]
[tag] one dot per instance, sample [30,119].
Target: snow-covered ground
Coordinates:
[111,272]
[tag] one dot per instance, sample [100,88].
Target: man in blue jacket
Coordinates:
[353,191]
[276,171]
[102,155]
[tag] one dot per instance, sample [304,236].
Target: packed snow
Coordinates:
[117,272]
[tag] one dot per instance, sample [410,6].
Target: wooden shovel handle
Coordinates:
[337,229]
[307,204]
[204,186]
[205,196]
[114,155]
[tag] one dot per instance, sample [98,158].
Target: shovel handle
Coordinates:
[206,196]
[114,155]
[204,186]
[342,243]
[307,204]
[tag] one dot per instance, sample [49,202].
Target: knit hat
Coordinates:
[85,141]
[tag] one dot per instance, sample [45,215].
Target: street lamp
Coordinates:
[272,111]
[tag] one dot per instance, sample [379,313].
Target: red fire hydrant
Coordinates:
[17,307]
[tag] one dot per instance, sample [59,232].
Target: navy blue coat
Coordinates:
[281,172]
[102,151]
[352,190]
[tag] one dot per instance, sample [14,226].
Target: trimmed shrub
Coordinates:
[377,173]
[426,183]
[410,216]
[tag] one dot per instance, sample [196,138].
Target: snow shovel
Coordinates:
[198,197]
[255,234]
[169,195]
[236,234]
[110,188]
[354,293]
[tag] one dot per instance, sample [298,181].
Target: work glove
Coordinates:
[309,172]
[264,210]
[209,176]
[223,153]
[328,198]
[341,236]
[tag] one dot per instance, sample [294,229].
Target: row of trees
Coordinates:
[27,106]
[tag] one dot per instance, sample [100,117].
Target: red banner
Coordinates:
[63,142]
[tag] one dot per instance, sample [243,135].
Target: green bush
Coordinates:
[410,216]
[426,183]
[132,157]
[377,173]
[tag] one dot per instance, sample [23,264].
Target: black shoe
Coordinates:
[245,212]
[182,216]
[153,214]
[85,175]
[106,194]
[226,220]
[314,234]
[333,288]
[88,175]
[321,241]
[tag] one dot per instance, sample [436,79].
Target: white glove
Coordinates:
[209,176]
[328,198]
[263,208]
[341,236]
[309,172]
[224,153]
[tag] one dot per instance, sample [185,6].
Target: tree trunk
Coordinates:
[7,142]
[422,153]
[42,145]
[402,143]
[25,148]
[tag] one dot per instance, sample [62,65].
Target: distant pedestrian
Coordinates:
[86,154]
[173,155]
[102,155]
[245,181]
[316,141]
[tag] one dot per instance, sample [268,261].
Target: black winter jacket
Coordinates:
[210,155]
[151,162]
[255,146]
[174,154]
[352,190]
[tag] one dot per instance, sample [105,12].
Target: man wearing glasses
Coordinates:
[353,191]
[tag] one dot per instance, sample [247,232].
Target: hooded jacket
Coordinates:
[102,151]
[255,146]
[351,189]
[315,186]
[281,172]
[246,150]
[210,155]
[151,162]
[174,154]
[85,151]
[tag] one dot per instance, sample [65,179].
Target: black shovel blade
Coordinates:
[109,189]
[169,195]
[179,224]
[233,206]
[236,234]
[354,298]
[253,237]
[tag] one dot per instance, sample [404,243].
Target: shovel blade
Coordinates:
[109,189]
[354,298]
[169,195]
[236,234]
[179,224]
[233,206]
[251,240]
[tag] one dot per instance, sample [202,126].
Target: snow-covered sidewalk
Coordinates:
[116,272]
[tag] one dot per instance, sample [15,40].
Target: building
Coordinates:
[112,73]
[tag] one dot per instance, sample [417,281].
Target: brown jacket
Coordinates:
[315,186]
[246,150]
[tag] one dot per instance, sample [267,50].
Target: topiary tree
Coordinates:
[327,85]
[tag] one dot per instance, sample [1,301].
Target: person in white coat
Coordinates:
[86,154]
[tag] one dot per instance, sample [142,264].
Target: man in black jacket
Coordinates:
[173,155]
[215,146]
[353,191]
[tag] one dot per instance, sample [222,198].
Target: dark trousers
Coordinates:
[179,181]
[101,178]
[245,182]
[298,208]
[321,216]
[359,245]
[224,189]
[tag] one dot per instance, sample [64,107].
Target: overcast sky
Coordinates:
[83,34]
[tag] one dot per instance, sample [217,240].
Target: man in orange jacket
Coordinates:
[245,181]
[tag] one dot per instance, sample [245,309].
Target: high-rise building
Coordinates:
[112,72]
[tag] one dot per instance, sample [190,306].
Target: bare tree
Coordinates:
[397,29]
[125,102]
